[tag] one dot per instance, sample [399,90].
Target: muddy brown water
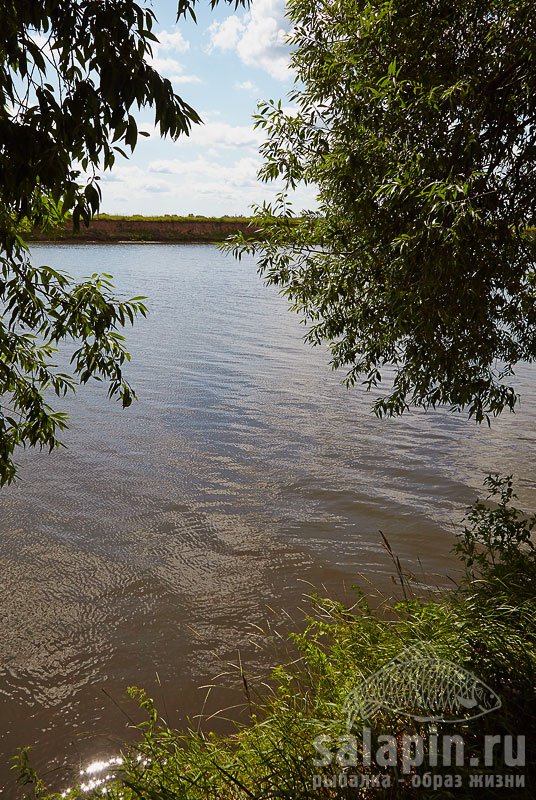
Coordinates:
[247,475]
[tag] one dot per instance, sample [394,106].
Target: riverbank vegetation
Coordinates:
[172,218]
[171,229]
[486,625]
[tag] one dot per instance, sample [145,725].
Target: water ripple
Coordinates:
[245,469]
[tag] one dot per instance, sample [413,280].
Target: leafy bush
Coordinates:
[497,540]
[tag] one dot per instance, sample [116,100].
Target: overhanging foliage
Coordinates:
[416,120]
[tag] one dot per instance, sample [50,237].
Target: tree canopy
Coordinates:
[72,75]
[416,121]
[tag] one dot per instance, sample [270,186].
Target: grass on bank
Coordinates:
[487,625]
[138,228]
[170,218]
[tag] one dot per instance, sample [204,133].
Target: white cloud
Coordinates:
[201,184]
[171,43]
[166,66]
[184,185]
[227,34]
[214,134]
[246,86]
[172,69]
[221,134]
[155,187]
[185,79]
[171,40]
[241,173]
[258,37]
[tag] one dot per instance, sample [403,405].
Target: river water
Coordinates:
[245,477]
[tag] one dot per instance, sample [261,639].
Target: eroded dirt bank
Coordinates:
[138,230]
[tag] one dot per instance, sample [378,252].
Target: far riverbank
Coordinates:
[171,230]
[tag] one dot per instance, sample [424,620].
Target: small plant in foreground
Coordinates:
[499,536]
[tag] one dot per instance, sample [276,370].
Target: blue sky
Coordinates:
[222,66]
